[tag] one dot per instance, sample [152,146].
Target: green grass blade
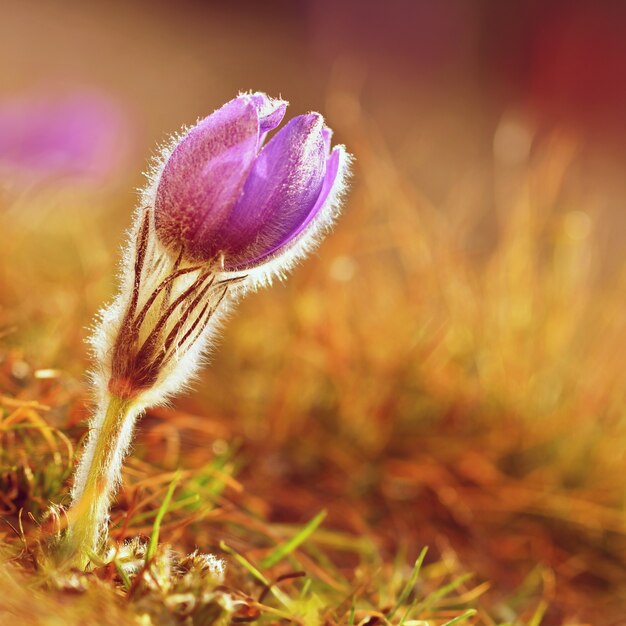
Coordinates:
[410,583]
[306,587]
[181,503]
[538,614]
[436,595]
[156,527]
[244,563]
[289,546]
[255,573]
[461,618]
[352,613]
[122,574]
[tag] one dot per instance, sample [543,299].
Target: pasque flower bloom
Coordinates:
[222,194]
[223,212]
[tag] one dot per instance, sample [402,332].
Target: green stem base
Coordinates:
[96,479]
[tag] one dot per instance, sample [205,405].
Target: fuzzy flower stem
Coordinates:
[96,483]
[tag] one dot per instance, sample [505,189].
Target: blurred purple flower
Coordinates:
[222,195]
[83,134]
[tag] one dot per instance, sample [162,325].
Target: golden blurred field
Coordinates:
[449,370]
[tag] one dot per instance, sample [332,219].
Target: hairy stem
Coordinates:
[97,477]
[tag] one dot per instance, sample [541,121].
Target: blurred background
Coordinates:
[449,368]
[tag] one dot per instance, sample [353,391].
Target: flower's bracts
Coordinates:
[161,323]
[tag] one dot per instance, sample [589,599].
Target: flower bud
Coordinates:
[223,195]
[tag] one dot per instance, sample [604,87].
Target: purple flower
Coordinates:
[82,134]
[221,214]
[222,194]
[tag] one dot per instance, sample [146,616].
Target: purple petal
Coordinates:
[271,111]
[327,134]
[332,170]
[204,177]
[280,192]
[330,178]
